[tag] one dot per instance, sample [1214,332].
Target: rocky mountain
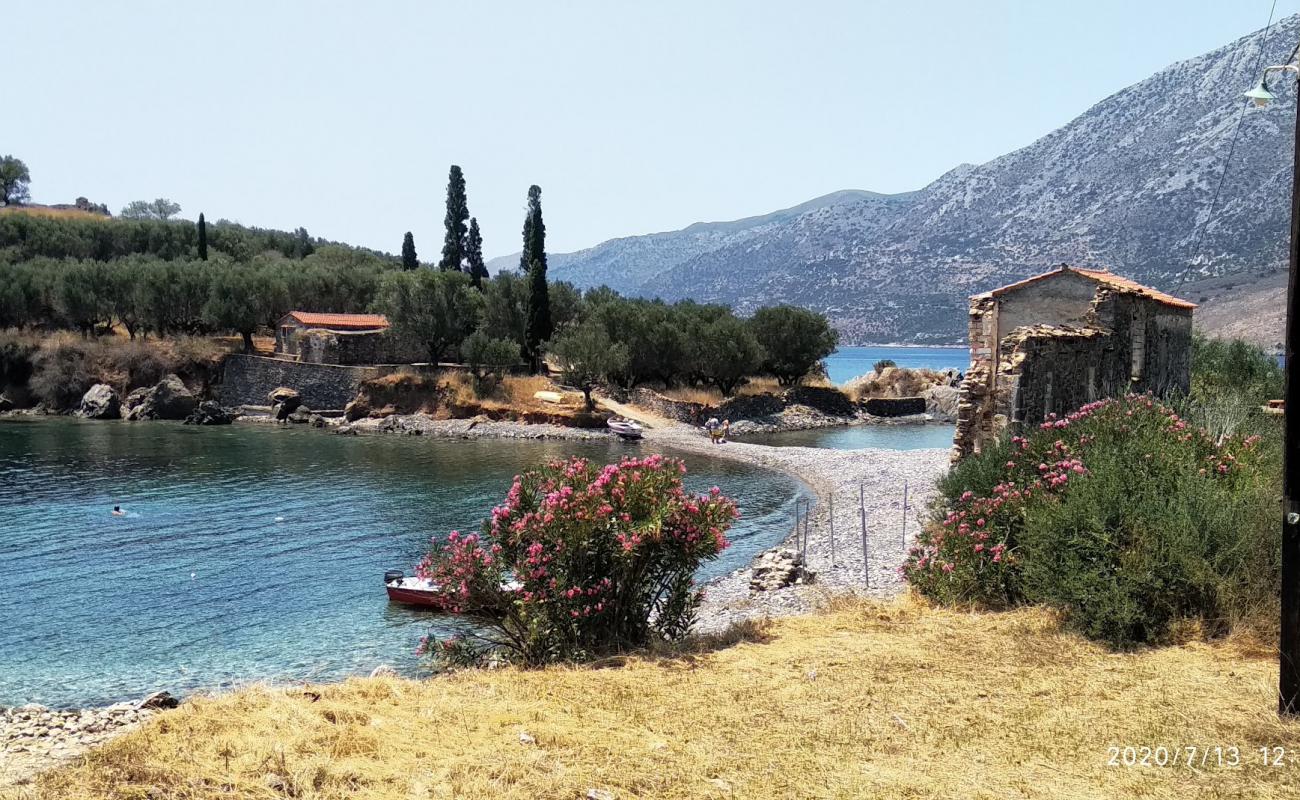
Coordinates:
[1126,185]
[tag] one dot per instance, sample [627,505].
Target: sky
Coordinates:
[343,117]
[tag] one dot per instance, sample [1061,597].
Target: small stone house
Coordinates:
[1053,342]
[318,338]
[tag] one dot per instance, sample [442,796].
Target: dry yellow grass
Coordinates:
[693,394]
[894,382]
[895,701]
[55,213]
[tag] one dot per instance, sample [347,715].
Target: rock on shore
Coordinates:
[168,399]
[100,402]
[34,738]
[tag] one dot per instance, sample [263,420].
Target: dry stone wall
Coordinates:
[246,380]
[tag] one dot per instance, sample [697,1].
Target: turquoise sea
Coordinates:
[847,363]
[249,552]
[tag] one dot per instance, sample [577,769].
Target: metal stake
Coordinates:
[904,515]
[862,516]
[831,511]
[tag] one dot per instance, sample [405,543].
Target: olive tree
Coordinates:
[435,309]
[14,181]
[794,340]
[587,356]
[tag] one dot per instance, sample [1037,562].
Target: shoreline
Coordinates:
[33,738]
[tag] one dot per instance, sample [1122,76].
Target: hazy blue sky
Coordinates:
[343,117]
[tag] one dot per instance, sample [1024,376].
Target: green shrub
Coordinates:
[1122,515]
[486,357]
[580,561]
[883,364]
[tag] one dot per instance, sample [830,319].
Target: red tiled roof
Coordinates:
[1100,276]
[340,321]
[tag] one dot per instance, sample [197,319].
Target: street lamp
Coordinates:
[1288,683]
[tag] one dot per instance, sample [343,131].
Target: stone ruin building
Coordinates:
[317,338]
[1053,342]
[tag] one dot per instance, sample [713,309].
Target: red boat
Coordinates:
[411,591]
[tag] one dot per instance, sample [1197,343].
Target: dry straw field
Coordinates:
[865,700]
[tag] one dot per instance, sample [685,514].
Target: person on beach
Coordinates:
[726,431]
[714,428]
[118,512]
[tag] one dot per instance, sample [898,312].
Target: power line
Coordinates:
[1232,148]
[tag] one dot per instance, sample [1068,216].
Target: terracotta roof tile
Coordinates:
[340,321]
[1101,276]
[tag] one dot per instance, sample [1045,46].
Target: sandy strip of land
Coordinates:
[854,488]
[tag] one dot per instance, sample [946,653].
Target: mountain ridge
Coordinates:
[1128,184]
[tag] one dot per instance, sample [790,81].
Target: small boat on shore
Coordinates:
[410,590]
[625,428]
[414,591]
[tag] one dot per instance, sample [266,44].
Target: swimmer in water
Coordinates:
[118,512]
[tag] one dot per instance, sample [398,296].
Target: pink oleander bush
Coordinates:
[581,560]
[1121,514]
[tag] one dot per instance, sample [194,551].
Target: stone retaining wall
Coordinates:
[246,380]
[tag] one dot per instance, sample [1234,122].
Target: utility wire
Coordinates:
[1232,148]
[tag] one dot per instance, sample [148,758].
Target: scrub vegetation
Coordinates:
[1138,523]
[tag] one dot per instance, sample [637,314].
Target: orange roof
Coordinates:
[340,321]
[1101,276]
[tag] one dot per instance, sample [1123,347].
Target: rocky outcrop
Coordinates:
[357,409]
[284,401]
[168,399]
[210,412]
[6,404]
[100,402]
[777,569]
[941,402]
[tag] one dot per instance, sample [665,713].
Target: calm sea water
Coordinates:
[858,437]
[847,363]
[249,553]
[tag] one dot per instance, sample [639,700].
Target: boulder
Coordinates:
[134,399]
[284,401]
[317,421]
[301,416]
[100,402]
[6,404]
[168,399]
[776,569]
[210,412]
[942,401]
[356,409]
[157,700]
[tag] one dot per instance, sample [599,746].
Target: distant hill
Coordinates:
[1125,185]
[1250,306]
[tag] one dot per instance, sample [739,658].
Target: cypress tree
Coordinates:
[203,238]
[409,259]
[453,245]
[474,255]
[533,261]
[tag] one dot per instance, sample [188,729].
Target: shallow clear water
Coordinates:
[858,437]
[250,552]
[847,363]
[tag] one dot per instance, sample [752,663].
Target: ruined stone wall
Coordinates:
[974,412]
[320,346]
[1061,299]
[1127,343]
